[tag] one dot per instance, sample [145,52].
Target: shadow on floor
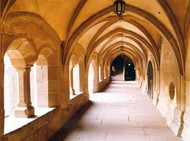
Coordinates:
[71,124]
[104,88]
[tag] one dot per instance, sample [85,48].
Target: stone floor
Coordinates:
[120,113]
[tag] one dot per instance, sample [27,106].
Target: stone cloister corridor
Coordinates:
[120,112]
[58,56]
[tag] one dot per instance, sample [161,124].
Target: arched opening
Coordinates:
[39,82]
[10,87]
[150,79]
[122,68]
[76,79]
[90,78]
[117,68]
[33,85]
[81,75]
[105,73]
[100,73]
[17,98]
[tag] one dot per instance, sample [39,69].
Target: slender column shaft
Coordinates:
[24,107]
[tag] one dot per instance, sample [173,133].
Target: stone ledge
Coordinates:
[187,119]
[186,127]
[12,124]
[186,133]
[172,115]
[24,112]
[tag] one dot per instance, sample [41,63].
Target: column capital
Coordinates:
[26,68]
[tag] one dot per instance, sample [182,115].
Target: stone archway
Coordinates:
[150,79]
[117,68]
[122,69]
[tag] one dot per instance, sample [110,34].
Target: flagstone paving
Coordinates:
[119,113]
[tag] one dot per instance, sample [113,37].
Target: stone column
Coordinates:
[24,107]
[82,78]
[72,89]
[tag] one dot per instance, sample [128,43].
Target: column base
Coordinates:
[73,92]
[24,112]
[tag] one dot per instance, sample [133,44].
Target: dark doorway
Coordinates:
[129,69]
[150,79]
[122,68]
[117,66]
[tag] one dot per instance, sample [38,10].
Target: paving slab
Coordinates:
[121,112]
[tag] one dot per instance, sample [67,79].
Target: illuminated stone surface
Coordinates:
[121,112]
[69,46]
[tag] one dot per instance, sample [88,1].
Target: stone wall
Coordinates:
[102,84]
[169,103]
[45,126]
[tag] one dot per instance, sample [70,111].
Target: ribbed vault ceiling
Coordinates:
[92,24]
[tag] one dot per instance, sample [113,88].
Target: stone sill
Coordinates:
[75,95]
[13,123]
